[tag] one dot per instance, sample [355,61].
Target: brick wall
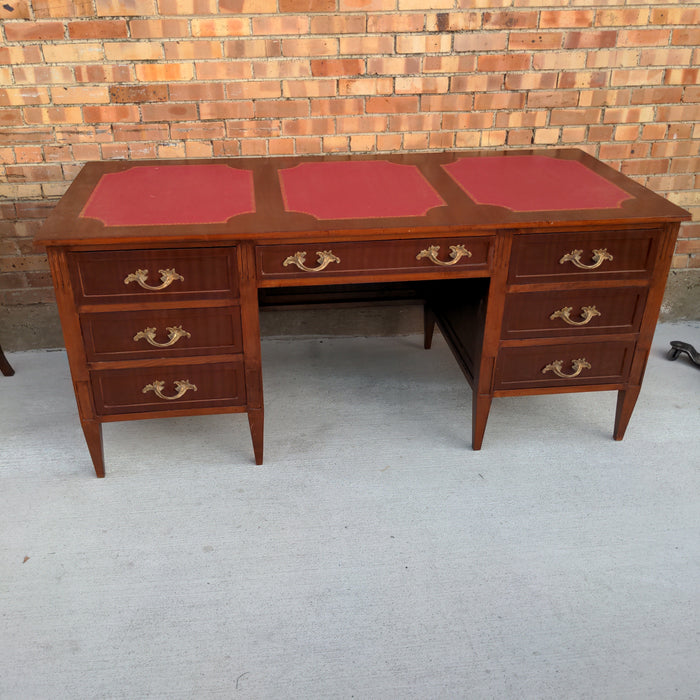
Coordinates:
[102,79]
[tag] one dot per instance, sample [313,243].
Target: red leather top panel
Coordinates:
[534,183]
[357,190]
[171,194]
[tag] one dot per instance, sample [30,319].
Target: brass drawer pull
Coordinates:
[587,313]
[577,365]
[599,256]
[174,334]
[167,277]
[181,385]
[325,258]
[457,252]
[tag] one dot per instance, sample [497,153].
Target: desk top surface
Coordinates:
[403,193]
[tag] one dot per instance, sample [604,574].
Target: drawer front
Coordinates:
[133,335]
[373,257]
[164,387]
[154,275]
[573,313]
[568,365]
[554,257]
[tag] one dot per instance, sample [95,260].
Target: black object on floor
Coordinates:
[678,347]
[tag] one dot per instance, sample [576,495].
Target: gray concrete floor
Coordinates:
[374,555]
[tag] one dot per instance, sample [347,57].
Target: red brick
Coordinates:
[33,173]
[503,62]
[361,123]
[117,8]
[338,24]
[158,28]
[34,31]
[509,20]
[566,18]
[110,114]
[675,15]
[337,67]
[590,39]
[391,104]
[481,41]
[575,116]
[198,130]
[253,48]
[184,50]
[657,95]
[16,55]
[497,101]
[225,110]
[338,106]
[393,65]
[307,6]
[164,72]
[686,36]
[140,132]
[246,7]
[184,92]
[307,127]
[98,29]
[393,23]
[66,8]
[445,103]
[11,116]
[125,94]
[309,47]
[536,41]
[104,74]
[449,64]
[53,115]
[309,88]
[453,22]
[170,112]
[254,89]
[280,24]
[266,109]
[24,96]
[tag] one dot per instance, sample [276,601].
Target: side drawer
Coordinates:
[536,367]
[163,387]
[181,274]
[573,313]
[318,260]
[133,335]
[599,255]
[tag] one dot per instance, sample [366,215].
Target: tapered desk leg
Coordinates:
[481,405]
[428,326]
[5,366]
[626,399]
[256,422]
[93,437]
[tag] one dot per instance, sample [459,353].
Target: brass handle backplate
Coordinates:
[600,255]
[457,252]
[325,258]
[181,386]
[587,313]
[167,277]
[577,365]
[174,334]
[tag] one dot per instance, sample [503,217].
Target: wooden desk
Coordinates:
[544,270]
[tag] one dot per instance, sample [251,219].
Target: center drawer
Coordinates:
[329,258]
[167,387]
[133,335]
[172,274]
